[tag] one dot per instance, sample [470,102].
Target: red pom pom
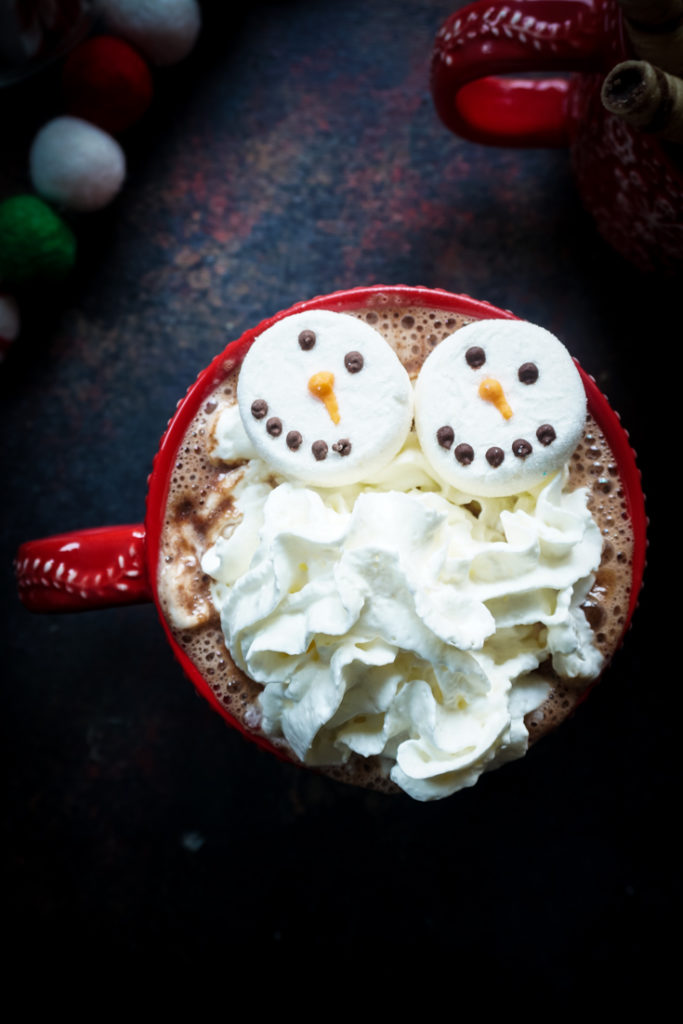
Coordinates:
[107,82]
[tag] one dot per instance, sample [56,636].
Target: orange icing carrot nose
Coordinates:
[321,385]
[491,391]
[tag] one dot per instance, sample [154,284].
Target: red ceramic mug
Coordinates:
[628,179]
[116,565]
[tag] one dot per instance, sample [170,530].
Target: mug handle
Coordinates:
[487,39]
[71,572]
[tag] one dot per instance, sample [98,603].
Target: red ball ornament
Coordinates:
[107,82]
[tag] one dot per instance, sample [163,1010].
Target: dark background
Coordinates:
[296,151]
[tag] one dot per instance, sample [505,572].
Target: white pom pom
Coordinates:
[9,323]
[76,164]
[163,30]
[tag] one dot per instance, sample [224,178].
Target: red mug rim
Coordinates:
[374,295]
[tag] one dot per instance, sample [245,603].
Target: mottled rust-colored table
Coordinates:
[295,152]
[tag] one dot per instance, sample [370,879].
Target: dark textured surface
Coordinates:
[296,152]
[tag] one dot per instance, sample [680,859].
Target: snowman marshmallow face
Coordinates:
[499,405]
[324,399]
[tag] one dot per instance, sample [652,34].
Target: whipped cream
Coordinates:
[402,619]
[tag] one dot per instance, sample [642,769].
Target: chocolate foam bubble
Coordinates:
[200,503]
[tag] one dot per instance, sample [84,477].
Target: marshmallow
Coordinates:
[499,407]
[324,399]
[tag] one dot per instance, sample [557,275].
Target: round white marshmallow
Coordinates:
[368,390]
[535,413]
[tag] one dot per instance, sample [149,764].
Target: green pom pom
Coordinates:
[35,244]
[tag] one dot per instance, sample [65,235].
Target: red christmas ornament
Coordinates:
[107,82]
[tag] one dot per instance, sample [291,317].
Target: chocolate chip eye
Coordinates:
[294,440]
[319,449]
[342,447]
[475,357]
[259,408]
[445,436]
[307,340]
[464,453]
[546,434]
[274,426]
[521,448]
[495,456]
[528,373]
[353,361]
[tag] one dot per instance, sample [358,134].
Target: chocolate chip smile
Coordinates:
[294,438]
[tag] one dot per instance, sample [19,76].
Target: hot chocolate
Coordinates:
[202,506]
